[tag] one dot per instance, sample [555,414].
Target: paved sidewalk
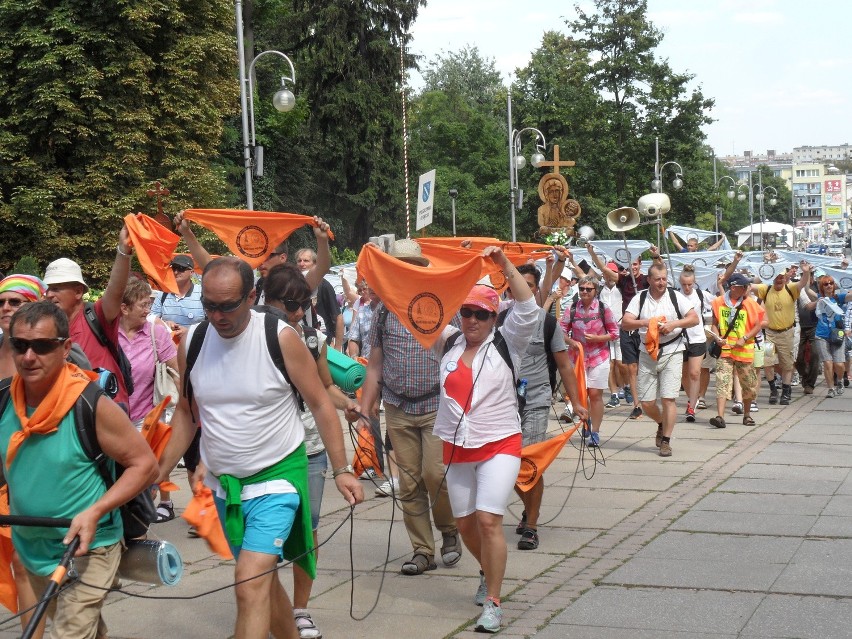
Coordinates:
[745,531]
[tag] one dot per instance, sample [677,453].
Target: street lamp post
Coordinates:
[283,100]
[761,194]
[758,195]
[657,182]
[453,195]
[731,193]
[518,161]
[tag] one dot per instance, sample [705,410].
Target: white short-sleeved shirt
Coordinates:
[662,306]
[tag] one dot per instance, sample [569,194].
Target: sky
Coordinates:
[779,70]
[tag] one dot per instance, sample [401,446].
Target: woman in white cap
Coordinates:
[478,421]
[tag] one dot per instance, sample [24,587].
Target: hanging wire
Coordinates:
[402,82]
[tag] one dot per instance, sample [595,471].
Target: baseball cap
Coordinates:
[62,271]
[738,279]
[183,261]
[484,297]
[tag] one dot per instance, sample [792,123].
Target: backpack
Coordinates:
[500,344]
[114,349]
[138,513]
[644,295]
[769,287]
[549,331]
[270,325]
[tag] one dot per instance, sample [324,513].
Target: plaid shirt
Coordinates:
[596,353]
[410,379]
[360,327]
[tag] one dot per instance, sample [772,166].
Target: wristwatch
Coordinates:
[341,471]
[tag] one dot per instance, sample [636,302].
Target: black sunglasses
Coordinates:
[13,302]
[586,288]
[291,306]
[40,346]
[222,307]
[180,269]
[480,314]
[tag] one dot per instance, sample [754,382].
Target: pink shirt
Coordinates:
[141,355]
[589,321]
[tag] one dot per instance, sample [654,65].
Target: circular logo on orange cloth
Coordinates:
[426,313]
[529,471]
[252,241]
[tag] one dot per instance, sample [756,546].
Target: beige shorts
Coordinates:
[661,378]
[726,368]
[783,352]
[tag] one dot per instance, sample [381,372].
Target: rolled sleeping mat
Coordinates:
[345,372]
[151,562]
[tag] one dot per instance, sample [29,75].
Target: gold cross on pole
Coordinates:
[555,163]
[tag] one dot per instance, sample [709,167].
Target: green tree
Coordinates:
[97,100]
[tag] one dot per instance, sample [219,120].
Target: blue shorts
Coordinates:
[317,465]
[268,520]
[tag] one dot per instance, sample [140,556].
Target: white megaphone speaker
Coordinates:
[654,204]
[623,219]
[585,234]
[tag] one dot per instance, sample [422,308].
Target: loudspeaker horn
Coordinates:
[654,204]
[585,234]
[623,219]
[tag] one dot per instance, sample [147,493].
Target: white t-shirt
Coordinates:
[663,306]
[611,297]
[249,414]
[696,333]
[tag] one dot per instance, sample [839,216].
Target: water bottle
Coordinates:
[522,388]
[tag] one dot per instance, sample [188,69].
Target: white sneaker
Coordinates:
[754,407]
[387,488]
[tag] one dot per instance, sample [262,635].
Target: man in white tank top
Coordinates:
[252,443]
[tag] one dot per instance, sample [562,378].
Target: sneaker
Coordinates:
[181,463]
[718,421]
[490,619]
[846,380]
[628,395]
[594,441]
[567,414]
[613,401]
[798,380]
[690,414]
[659,438]
[529,540]
[700,404]
[737,408]
[387,489]
[369,473]
[621,394]
[838,390]
[831,392]
[165,512]
[665,449]
[481,592]
[522,525]
[754,407]
[636,413]
[785,400]
[773,397]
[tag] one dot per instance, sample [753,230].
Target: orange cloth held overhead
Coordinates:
[535,458]
[56,404]
[652,337]
[201,513]
[424,299]
[441,255]
[8,588]
[251,235]
[155,246]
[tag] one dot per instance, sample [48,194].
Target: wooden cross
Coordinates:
[160,192]
[556,163]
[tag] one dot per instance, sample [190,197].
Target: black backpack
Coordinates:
[644,295]
[270,325]
[137,514]
[113,347]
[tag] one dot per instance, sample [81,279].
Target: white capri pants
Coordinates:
[485,485]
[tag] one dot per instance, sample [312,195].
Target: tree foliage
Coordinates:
[97,100]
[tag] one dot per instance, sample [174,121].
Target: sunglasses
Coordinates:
[291,306]
[480,314]
[586,288]
[222,307]
[180,269]
[13,302]
[40,346]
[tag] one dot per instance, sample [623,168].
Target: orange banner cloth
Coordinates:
[201,513]
[8,589]
[447,256]
[517,252]
[535,458]
[251,235]
[652,337]
[424,299]
[155,246]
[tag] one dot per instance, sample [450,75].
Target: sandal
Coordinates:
[305,625]
[165,512]
[451,551]
[418,564]
[528,540]
[748,421]
[521,524]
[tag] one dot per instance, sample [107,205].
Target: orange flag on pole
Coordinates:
[424,299]
[535,458]
[251,235]
[201,513]
[155,246]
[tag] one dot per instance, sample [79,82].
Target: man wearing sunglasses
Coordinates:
[183,309]
[252,442]
[49,444]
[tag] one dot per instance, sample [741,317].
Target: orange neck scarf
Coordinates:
[652,337]
[52,409]
[251,235]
